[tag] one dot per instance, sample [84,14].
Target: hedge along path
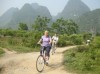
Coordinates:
[25,63]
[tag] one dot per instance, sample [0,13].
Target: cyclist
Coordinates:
[55,40]
[88,42]
[45,42]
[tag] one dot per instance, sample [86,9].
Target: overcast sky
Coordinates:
[54,6]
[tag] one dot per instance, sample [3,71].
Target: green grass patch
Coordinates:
[1,51]
[82,60]
[17,44]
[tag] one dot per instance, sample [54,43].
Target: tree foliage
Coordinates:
[23,26]
[62,26]
[40,24]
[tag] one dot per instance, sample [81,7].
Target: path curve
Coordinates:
[25,63]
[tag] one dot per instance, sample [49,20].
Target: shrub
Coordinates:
[61,43]
[69,43]
[84,59]
[87,36]
[65,40]
[76,39]
[11,41]
[96,42]
[82,48]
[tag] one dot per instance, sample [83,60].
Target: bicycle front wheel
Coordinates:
[40,63]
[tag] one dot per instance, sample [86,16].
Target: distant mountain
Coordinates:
[35,5]
[27,14]
[90,21]
[74,9]
[41,10]
[7,16]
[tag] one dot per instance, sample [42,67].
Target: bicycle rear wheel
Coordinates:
[40,63]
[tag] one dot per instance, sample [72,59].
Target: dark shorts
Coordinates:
[47,49]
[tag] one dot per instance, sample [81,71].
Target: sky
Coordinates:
[54,6]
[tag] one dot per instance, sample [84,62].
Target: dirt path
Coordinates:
[13,63]
[7,51]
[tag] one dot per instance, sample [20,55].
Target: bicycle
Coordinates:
[41,61]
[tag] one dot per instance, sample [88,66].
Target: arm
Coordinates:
[40,41]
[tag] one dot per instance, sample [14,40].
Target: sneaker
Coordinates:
[46,63]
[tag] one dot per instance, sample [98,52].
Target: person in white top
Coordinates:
[54,42]
[55,39]
[88,42]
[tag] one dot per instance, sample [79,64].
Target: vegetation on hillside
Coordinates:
[25,40]
[84,59]
[89,21]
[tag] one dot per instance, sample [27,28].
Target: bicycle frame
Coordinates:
[53,48]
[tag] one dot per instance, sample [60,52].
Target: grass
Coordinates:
[22,49]
[16,45]
[1,52]
[82,60]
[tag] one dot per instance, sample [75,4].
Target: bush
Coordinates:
[30,38]
[96,42]
[87,36]
[11,41]
[27,39]
[65,40]
[82,48]
[61,43]
[69,43]
[76,39]
[84,59]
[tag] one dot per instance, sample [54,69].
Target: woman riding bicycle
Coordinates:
[45,42]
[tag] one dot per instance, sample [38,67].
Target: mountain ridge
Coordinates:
[74,9]
[27,14]
[80,13]
[89,21]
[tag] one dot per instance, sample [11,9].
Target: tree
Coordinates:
[58,25]
[62,26]
[23,26]
[72,27]
[40,24]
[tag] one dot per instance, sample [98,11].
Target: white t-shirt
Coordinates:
[55,39]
